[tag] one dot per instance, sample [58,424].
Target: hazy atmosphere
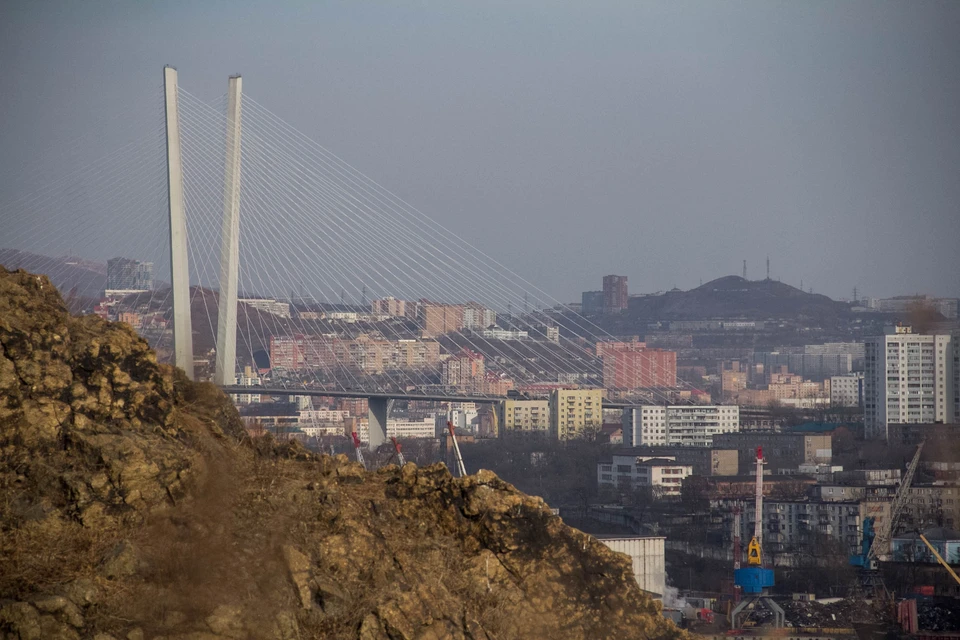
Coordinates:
[479,320]
[663,141]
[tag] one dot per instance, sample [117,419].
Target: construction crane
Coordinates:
[754,579]
[358,449]
[396,446]
[939,558]
[737,547]
[755,548]
[875,541]
[881,544]
[737,551]
[456,449]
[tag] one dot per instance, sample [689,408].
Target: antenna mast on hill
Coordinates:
[768,267]
[744,269]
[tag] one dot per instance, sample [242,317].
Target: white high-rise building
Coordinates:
[909,378]
[680,424]
[477,317]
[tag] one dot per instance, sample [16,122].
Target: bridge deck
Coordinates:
[389,395]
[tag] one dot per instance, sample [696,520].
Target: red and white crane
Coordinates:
[758,525]
[396,446]
[357,448]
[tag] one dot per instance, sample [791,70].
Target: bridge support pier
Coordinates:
[378,409]
[179,271]
[226,363]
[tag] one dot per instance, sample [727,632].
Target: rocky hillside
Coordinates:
[131,506]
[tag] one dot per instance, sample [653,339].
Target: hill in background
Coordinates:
[734,297]
[85,278]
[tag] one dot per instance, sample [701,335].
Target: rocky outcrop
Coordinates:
[132,507]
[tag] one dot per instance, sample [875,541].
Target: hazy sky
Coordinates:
[665,141]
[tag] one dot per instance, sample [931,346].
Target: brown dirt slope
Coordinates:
[131,506]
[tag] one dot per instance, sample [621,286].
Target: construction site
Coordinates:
[900,583]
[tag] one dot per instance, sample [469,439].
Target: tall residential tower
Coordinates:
[909,378]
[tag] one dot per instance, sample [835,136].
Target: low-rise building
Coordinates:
[744,487]
[402,429]
[781,450]
[705,461]
[268,305]
[869,477]
[838,493]
[496,333]
[908,547]
[647,558]
[663,475]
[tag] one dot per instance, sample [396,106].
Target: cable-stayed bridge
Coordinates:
[272,255]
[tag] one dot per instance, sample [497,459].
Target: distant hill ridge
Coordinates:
[66,273]
[735,297]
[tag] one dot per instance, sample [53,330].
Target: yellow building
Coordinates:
[527,417]
[574,412]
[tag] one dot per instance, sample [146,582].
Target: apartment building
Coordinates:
[389,307]
[637,368]
[909,378]
[437,319]
[846,390]
[524,417]
[574,412]
[615,294]
[679,425]
[368,353]
[791,525]
[464,371]
[591,303]
[124,274]
[478,317]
